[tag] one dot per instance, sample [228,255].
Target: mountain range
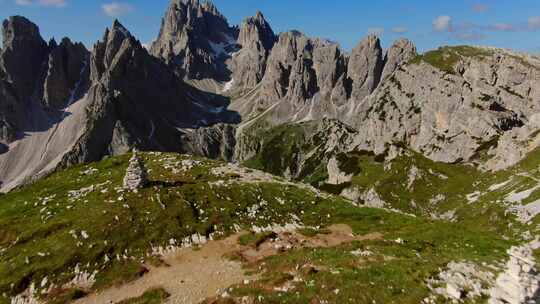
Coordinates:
[362,176]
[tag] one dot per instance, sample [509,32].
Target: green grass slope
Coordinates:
[410,182]
[48,234]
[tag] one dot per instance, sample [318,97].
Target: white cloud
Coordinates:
[377,31]
[442,24]
[400,29]
[115,9]
[534,23]
[55,3]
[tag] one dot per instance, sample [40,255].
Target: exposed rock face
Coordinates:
[118,102]
[23,55]
[304,80]
[290,52]
[193,38]
[256,39]
[335,175]
[296,150]
[446,116]
[136,176]
[11,113]
[21,64]
[130,84]
[66,69]
[520,282]
[311,79]
[372,199]
[401,52]
[217,141]
[461,281]
[34,76]
[256,31]
[352,193]
[515,144]
[365,67]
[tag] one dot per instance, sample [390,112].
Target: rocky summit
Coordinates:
[231,164]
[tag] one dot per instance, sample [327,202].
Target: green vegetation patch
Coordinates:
[393,269]
[152,296]
[281,145]
[256,239]
[51,228]
[81,218]
[445,58]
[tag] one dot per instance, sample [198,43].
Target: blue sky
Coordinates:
[511,24]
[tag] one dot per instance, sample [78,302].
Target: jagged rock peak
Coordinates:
[370,41]
[365,67]
[23,54]
[209,7]
[67,66]
[118,29]
[53,43]
[206,6]
[254,29]
[18,29]
[193,38]
[200,17]
[399,53]
[256,39]
[404,44]
[105,50]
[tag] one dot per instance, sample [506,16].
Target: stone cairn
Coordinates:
[136,176]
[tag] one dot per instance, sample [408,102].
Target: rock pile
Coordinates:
[136,175]
[461,281]
[520,282]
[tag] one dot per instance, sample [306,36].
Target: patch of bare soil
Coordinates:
[191,276]
[195,275]
[336,235]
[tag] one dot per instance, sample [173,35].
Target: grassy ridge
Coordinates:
[45,233]
[412,250]
[445,58]
[411,183]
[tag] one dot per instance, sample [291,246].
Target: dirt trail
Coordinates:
[335,236]
[193,275]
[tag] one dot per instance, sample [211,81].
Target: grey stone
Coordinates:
[256,39]
[136,176]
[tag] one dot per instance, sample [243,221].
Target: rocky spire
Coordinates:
[23,54]
[136,176]
[365,67]
[67,70]
[34,75]
[399,53]
[191,38]
[256,31]
[104,51]
[256,39]
[284,55]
